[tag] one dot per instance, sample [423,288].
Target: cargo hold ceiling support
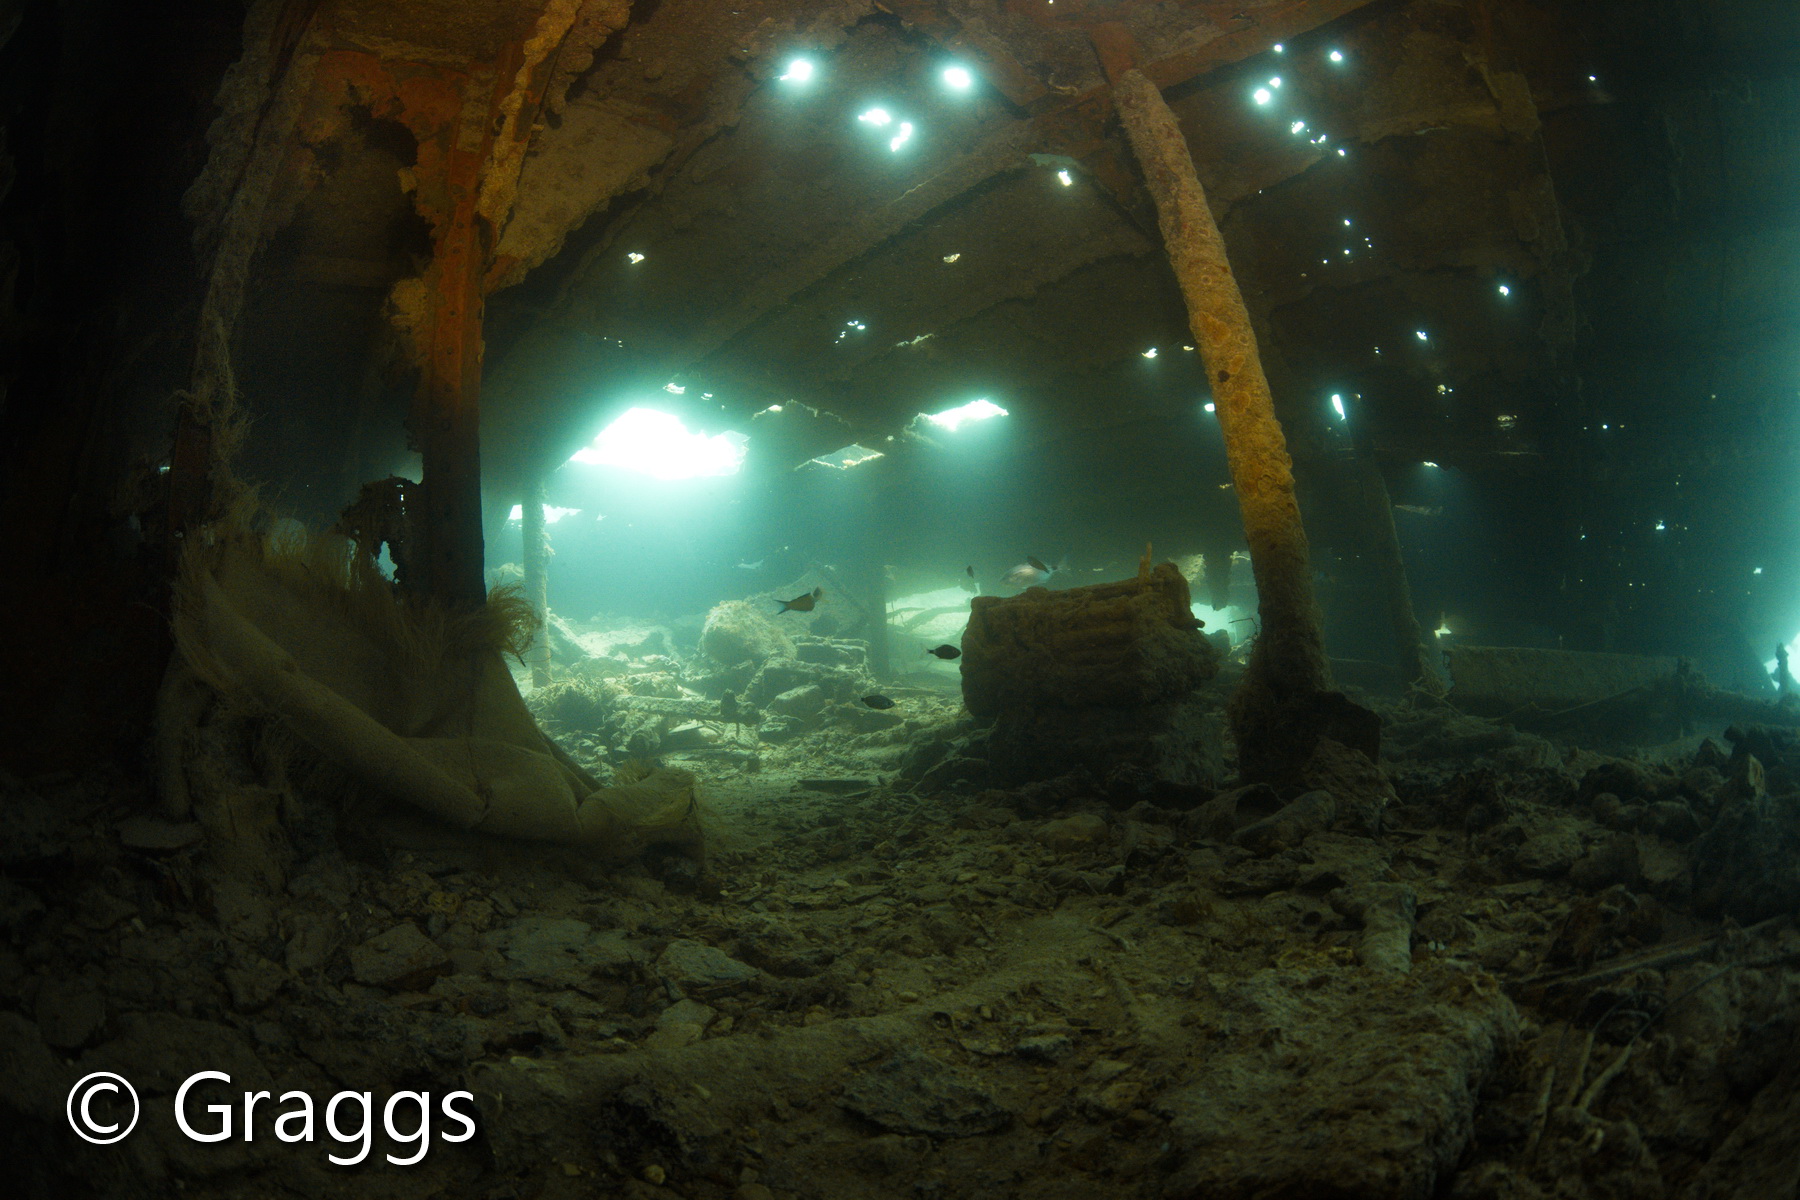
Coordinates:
[1285,703]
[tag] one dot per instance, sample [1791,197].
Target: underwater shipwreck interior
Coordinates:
[910,599]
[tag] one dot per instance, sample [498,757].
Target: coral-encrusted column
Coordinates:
[1288,668]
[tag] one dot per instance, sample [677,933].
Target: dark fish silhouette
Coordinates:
[878,702]
[801,603]
[971,571]
[945,652]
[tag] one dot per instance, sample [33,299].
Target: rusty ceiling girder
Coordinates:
[1074,126]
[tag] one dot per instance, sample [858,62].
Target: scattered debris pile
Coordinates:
[1539,978]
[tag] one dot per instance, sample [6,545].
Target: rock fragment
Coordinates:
[1308,814]
[799,703]
[402,958]
[914,1093]
[545,948]
[696,967]
[1066,833]
[1548,854]
[1385,911]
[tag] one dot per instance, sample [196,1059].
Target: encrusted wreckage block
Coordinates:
[1094,677]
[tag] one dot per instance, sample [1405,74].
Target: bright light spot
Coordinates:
[1346,221]
[1211,407]
[674,389]
[1606,427]
[1758,571]
[877,117]
[1444,389]
[1337,406]
[1505,291]
[1231,619]
[1150,353]
[634,258]
[1336,56]
[1275,81]
[1297,127]
[953,419]
[1443,629]
[1432,465]
[1189,349]
[552,513]
[657,444]
[1507,420]
[959,78]
[1593,79]
[799,71]
[1342,152]
[950,258]
[843,460]
[1065,177]
[773,408]
[1262,95]
[1277,47]
[901,137]
[1661,525]
[1420,334]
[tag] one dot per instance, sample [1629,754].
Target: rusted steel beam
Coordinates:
[1288,668]
[446,420]
[442,310]
[472,123]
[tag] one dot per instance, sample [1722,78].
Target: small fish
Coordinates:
[752,566]
[1422,510]
[1028,573]
[878,702]
[945,652]
[971,571]
[801,603]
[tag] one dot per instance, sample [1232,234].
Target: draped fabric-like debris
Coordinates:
[411,702]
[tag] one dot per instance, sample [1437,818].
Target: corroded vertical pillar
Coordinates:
[446,411]
[1288,667]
